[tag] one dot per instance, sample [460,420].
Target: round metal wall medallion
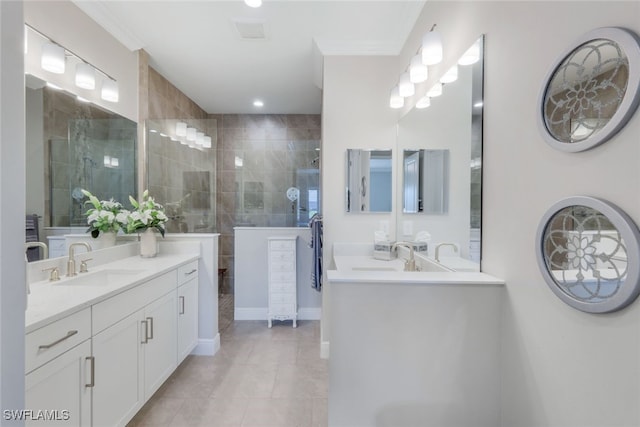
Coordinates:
[588,251]
[591,91]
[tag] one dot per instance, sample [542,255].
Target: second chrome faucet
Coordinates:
[71,263]
[409,264]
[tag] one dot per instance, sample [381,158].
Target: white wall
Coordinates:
[12,200]
[67,25]
[560,367]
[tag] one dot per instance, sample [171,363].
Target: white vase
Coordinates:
[106,239]
[148,243]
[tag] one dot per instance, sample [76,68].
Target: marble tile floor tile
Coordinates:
[260,377]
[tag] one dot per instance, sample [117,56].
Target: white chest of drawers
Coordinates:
[282,279]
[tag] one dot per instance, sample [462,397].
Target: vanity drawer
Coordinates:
[282,256]
[279,276]
[282,298]
[50,341]
[282,287]
[116,308]
[187,272]
[282,309]
[282,245]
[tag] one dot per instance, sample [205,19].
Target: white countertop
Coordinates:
[50,301]
[414,277]
[366,269]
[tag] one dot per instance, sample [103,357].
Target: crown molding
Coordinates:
[100,13]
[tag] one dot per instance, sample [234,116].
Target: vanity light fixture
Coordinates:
[471,56]
[395,100]
[199,138]
[191,134]
[53,58]
[110,90]
[450,76]
[206,142]
[418,72]
[436,90]
[85,76]
[181,129]
[423,102]
[405,87]
[432,47]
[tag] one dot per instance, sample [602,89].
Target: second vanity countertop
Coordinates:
[50,301]
[366,269]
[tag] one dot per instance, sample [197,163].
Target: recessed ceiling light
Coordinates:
[253,3]
[258,103]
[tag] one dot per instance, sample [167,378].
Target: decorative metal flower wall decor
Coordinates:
[588,252]
[592,91]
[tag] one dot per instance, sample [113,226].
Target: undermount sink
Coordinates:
[99,278]
[374,269]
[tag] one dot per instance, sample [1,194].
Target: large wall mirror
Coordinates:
[73,145]
[448,133]
[369,180]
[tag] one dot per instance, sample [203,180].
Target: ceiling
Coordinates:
[197,46]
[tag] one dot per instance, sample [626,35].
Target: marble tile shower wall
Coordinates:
[259,157]
[77,137]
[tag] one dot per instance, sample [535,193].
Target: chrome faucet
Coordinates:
[45,250]
[71,263]
[410,264]
[437,255]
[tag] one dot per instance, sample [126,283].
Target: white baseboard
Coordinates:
[324,349]
[260,313]
[207,347]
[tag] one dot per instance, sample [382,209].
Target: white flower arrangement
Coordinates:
[103,217]
[146,214]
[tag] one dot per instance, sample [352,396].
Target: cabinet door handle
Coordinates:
[146,335]
[191,272]
[150,319]
[181,305]
[92,381]
[58,341]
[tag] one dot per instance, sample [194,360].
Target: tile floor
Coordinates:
[260,377]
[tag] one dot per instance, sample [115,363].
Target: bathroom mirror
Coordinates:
[369,180]
[425,181]
[589,254]
[449,130]
[73,145]
[591,91]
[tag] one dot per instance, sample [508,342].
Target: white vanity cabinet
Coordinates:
[102,363]
[59,372]
[187,309]
[282,279]
[135,355]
